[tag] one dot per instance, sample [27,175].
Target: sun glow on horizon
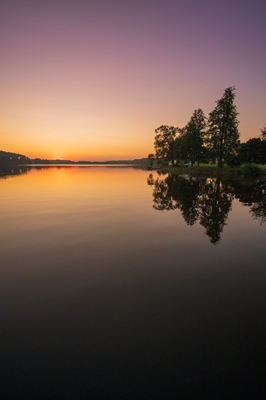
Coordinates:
[97,91]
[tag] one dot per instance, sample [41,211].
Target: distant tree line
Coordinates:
[7,158]
[215,139]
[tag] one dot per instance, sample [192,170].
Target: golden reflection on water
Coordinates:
[92,275]
[69,187]
[58,214]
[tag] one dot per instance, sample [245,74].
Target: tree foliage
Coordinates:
[253,151]
[164,143]
[151,158]
[194,135]
[215,139]
[13,158]
[263,133]
[223,134]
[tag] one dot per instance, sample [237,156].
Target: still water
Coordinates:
[118,283]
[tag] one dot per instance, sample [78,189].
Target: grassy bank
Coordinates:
[213,170]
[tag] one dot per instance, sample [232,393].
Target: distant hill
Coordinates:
[7,158]
[139,161]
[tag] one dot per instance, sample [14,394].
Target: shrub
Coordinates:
[251,170]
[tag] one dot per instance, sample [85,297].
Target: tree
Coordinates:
[181,148]
[151,159]
[223,134]
[194,134]
[7,158]
[253,151]
[164,143]
[263,133]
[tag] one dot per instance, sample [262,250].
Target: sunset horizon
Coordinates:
[90,81]
[133,199]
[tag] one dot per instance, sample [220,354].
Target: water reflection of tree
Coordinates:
[207,201]
[253,194]
[11,171]
[162,194]
[185,192]
[215,202]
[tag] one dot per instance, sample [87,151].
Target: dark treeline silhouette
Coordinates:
[7,158]
[207,200]
[138,161]
[202,139]
[215,139]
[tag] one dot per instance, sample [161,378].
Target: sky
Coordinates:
[92,80]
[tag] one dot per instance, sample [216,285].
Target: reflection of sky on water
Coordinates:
[94,279]
[100,219]
[207,200]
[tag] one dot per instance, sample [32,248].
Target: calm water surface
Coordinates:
[120,284]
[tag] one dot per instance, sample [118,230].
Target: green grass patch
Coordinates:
[213,170]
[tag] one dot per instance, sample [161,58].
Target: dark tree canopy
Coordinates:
[223,134]
[164,143]
[194,135]
[13,158]
[253,151]
[151,158]
[263,133]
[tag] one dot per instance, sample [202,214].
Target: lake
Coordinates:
[121,283]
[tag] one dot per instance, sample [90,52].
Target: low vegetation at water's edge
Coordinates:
[247,169]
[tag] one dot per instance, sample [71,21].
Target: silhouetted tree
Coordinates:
[263,133]
[164,143]
[151,158]
[194,135]
[13,158]
[223,134]
[253,151]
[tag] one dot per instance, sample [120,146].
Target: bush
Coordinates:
[251,170]
[233,160]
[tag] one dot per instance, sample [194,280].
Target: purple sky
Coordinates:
[93,79]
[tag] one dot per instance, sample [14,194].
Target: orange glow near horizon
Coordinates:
[97,91]
[71,180]
[92,155]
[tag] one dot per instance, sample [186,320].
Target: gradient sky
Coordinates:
[91,80]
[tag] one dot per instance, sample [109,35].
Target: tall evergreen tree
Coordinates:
[223,134]
[194,134]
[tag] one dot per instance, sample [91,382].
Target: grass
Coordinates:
[263,168]
[211,170]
